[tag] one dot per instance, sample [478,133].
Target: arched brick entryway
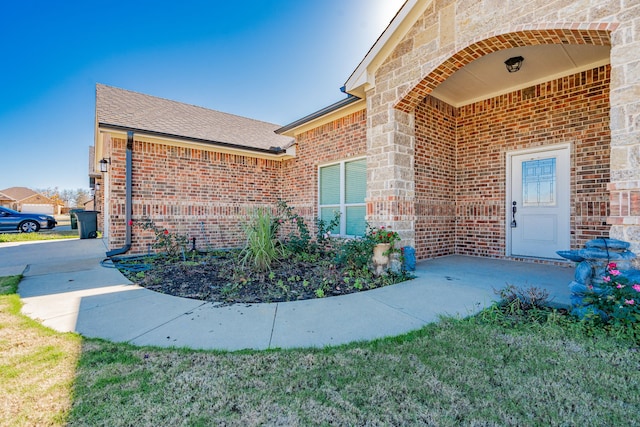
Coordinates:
[460,152]
[553,34]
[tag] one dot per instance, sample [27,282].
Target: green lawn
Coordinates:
[54,234]
[478,371]
[40,235]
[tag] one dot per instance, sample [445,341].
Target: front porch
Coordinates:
[458,275]
[101,303]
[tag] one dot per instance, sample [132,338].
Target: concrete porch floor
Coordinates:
[495,274]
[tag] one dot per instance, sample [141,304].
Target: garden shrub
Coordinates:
[520,299]
[172,244]
[323,229]
[618,301]
[355,254]
[298,238]
[519,305]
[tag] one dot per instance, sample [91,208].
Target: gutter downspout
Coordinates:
[127,205]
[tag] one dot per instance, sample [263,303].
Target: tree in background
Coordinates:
[82,197]
[70,198]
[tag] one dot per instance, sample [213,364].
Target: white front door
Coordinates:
[538,208]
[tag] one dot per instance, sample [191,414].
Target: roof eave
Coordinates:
[280,153]
[291,128]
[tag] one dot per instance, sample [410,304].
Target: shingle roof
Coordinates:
[127,109]
[5,197]
[18,193]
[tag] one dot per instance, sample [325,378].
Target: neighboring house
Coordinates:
[24,199]
[6,201]
[436,139]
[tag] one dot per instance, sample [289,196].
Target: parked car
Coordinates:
[11,220]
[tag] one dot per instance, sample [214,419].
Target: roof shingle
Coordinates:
[124,108]
[18,193]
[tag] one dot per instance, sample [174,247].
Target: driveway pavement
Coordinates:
[67,288]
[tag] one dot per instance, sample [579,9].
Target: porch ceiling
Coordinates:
[487,76]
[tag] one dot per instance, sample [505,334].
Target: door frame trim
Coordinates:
[509,191]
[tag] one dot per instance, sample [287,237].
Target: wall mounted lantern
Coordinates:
[514,64]
[104,163]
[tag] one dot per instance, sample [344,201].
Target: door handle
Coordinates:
[514,209]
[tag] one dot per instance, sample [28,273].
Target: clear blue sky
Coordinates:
[275,61]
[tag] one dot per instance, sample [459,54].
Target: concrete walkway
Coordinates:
[66,288]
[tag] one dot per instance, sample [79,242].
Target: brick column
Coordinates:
[625,137]
[390,169]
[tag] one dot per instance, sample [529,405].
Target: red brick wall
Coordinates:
[435,167]
[625,202]
[190,191]
[207,195]
[340,139]
[572,109]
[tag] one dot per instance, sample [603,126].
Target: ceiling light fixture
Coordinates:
[514,64]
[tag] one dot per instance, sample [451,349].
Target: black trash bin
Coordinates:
[88,224]
[74,218]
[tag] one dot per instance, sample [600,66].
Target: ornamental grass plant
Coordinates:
[262,247]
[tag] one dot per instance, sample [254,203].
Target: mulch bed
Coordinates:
[220,277]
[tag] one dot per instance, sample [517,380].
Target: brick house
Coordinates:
[436,139]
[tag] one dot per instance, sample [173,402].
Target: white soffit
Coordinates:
[487,76]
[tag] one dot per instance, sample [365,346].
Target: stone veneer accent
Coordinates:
[450,34]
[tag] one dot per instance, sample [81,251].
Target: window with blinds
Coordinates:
[343,187]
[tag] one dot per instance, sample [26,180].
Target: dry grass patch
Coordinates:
[37,369]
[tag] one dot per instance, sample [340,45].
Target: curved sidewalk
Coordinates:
[67,289]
